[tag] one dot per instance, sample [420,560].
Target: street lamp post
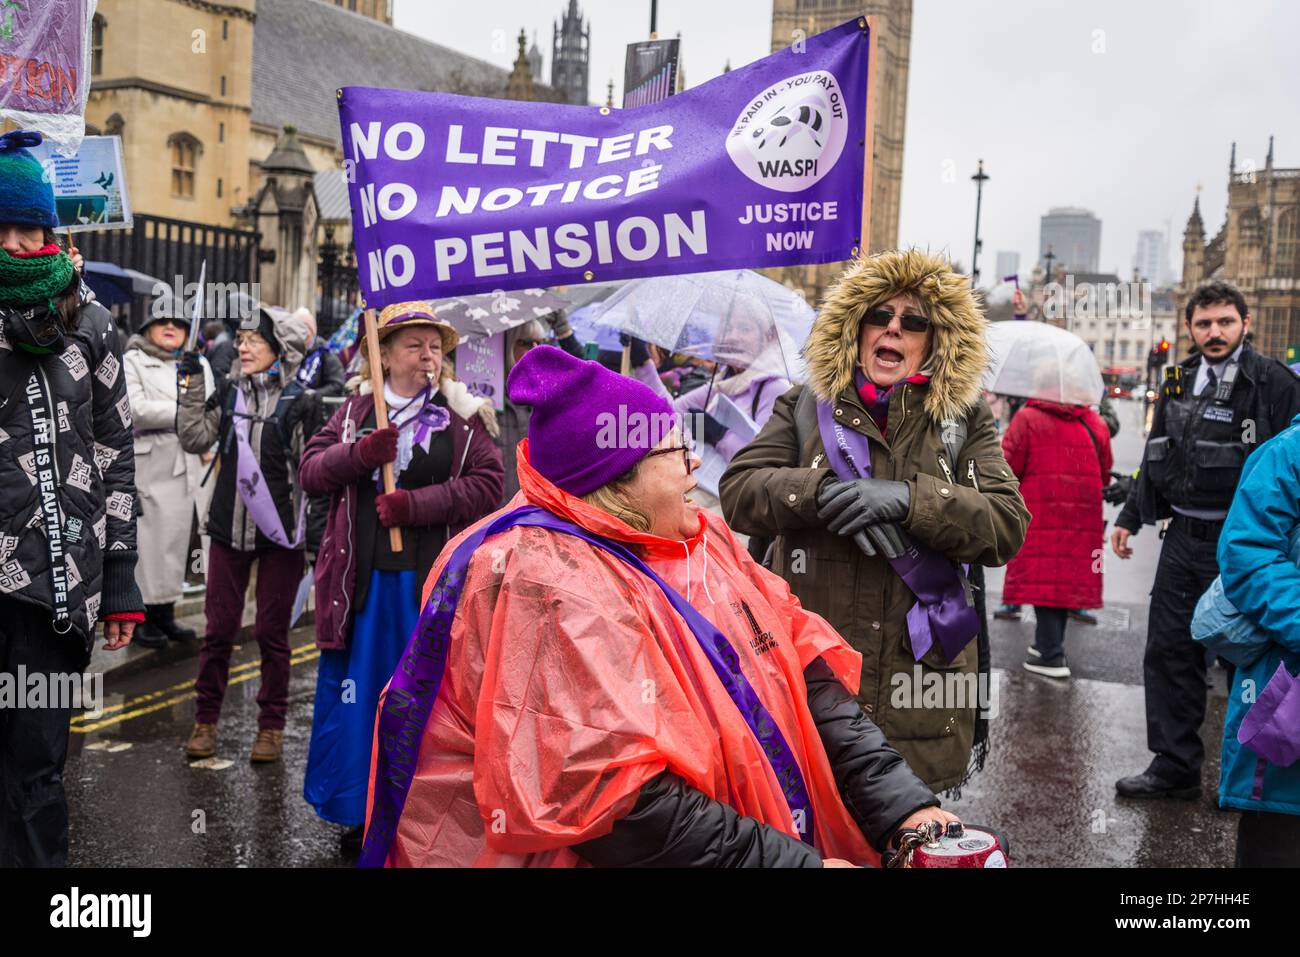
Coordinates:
[979,178]
[654,18]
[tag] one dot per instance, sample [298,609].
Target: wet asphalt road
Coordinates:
[1057,748]
[134,800]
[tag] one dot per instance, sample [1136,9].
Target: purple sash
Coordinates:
[253,489]
[942,608]
[415,683]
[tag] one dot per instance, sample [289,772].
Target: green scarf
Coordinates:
[32,282]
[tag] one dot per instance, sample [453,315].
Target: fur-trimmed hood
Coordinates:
[960,355]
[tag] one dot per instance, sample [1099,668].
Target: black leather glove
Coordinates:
[886,539]
[640,351]
[847,507]
[1116,493]
[189,364]
[713,430]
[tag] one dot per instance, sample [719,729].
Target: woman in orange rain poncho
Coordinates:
[602,675]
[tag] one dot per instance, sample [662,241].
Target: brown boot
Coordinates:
[267,746]
[202,742]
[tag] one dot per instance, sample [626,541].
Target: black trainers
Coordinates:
[1086,617]
[1007,613]
[1049,667]
[1148,785]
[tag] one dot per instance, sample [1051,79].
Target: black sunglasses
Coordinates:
[684,449]
[909,322]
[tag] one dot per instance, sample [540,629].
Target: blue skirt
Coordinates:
[348,684]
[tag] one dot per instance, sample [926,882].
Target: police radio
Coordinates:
[1223,391]
[1173,387]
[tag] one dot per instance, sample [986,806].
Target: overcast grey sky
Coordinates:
[1120,106]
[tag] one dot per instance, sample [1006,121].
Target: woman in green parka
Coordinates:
[895,360]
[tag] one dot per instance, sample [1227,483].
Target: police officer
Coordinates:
[1213,410]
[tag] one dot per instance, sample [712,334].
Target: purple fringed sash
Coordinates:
[253,489]
[943,609]
[414,686]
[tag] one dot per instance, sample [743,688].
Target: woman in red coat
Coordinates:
[1061,454]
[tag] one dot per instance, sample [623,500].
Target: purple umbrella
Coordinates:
[1271,727]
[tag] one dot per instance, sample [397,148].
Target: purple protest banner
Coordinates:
[763,166]
[44,78]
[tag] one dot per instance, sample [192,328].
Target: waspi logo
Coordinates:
[791,135]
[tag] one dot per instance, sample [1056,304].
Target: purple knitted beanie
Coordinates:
[589,425]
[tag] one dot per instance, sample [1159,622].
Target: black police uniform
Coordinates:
[1193,460]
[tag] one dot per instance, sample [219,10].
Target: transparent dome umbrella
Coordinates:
[736,318]
[1036,360]
[583,321]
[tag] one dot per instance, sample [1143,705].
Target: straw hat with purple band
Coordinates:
[402,315]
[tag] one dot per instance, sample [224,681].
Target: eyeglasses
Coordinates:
[909,321]
[684,449]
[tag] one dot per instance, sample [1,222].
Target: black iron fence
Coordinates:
[168,249]
[340,290]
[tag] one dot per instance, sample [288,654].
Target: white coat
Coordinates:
[167,478]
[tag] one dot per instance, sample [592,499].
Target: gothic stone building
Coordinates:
[1257,248]
[201,93]
[571,55]
[790,18]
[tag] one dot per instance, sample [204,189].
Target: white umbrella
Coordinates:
[737,318]
[1036,360]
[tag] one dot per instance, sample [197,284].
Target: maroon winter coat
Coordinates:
[1061,479]
[330,466]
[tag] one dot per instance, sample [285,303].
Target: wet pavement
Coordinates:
[134,799]
[1057,748]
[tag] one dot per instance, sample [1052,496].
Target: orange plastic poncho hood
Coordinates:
[571,682]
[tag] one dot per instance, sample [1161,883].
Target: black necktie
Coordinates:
[1211,380]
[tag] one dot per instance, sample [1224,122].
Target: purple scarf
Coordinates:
[430,417]
[415,683]
[943,608]
[876,402]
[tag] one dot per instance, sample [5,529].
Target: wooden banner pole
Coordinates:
[869,137]
[381,411]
